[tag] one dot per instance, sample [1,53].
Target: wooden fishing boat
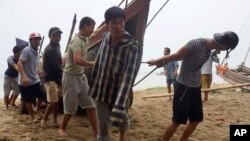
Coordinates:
[235,76]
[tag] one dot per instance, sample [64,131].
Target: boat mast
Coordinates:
[157,13]
[243,63]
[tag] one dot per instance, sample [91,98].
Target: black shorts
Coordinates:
[31,92]
[187,104]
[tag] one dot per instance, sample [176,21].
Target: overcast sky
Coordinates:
[177,23]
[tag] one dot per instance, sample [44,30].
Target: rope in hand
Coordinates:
[145,75]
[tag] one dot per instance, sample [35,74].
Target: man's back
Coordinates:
[190,68]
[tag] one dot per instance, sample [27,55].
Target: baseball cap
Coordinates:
[54,30]
[227,38]
[35,35]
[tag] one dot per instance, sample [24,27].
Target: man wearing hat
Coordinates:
[28,79]
[52,62]
[187,103]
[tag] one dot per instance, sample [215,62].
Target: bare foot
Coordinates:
[34,120]
[39,114]
[95,133]
[43,123]
[123,139]
[55,124]
[204,101]
[14,105]
[5,109]
[62,132]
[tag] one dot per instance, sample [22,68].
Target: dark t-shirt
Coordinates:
[11,72]
[52,61]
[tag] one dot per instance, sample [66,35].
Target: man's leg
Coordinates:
[31,111]
[195,113]
[55,113]
[50,107]
[13,100]
[170,131]
[65,121]
[7,90]
[6,102]
[169,92]
[122,136]
[91,113]
[205,96]
[169,88]
[103,113]
[10,98]
[189,129]
[15,93]
[37,108]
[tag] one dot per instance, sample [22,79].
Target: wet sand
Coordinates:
[149,119]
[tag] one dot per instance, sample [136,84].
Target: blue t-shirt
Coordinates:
[170,68]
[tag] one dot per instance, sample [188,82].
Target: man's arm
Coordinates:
[11,62]
[215,58]
[14,65]
[24,79]
[168,58]
[77,54]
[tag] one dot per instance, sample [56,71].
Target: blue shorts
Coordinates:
[171,81]
[187,104]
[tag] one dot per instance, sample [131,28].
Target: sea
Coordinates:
[156,79]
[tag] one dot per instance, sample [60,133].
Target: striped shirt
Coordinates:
[190,72]
[114,73]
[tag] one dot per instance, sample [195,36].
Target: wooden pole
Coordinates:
[71,33]
[202,90]
[226,87]
[41,45]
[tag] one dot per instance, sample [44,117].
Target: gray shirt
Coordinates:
[30,58]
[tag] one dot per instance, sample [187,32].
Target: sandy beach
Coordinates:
[149,118]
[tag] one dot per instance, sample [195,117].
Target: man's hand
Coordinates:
[25,81]
[155,62]
[175,74]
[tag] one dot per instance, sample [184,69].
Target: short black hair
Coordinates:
[86,21]
[113,13]
[168,49]
[17,49]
